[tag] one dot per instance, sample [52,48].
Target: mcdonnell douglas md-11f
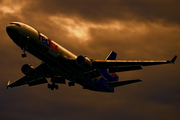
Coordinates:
[60,64]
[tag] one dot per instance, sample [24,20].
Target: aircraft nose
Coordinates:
[13,33]
[9,30]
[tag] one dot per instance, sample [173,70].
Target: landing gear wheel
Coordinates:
[69,83]
[49,86]
[52,88]
[56,87]
[72,83]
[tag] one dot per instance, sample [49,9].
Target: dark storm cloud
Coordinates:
[134,29]
[132,42]
[103,11]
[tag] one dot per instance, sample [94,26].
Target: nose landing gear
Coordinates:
[24,54]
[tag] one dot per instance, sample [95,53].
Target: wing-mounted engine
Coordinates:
[29,70]
[84,62]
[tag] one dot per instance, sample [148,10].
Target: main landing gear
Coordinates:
[52,86]
[71,84]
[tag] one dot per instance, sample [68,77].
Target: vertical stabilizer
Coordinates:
[105,73]
[107,77]
[112,56]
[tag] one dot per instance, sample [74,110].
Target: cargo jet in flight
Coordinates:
[60,64]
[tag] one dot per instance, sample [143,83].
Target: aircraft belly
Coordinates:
[52,54]
[58,64]
[55,62]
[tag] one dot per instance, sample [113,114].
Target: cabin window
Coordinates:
[16,24]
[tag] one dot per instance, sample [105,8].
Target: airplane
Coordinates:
[60,65]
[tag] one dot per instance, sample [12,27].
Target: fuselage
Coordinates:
[51,53]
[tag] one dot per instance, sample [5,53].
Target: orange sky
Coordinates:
[134,29]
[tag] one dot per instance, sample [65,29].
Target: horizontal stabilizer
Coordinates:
[121,83]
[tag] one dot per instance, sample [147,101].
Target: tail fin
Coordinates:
[110,76]
[112,56]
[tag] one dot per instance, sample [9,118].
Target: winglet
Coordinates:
[174,58]
[9,82]
[112,56]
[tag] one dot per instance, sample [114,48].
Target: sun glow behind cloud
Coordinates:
[74,27]
[8,8]
[79,29]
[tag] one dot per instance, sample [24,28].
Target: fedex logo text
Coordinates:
[48,42]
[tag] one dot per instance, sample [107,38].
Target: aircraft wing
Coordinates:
[26,80]
[104,64]
[42,70]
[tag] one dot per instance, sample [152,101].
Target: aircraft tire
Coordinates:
[69,83]
[73,84]
[49,86]
[56,87]
[52,87]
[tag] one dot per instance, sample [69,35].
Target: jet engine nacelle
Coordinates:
[84,62]
[29,70]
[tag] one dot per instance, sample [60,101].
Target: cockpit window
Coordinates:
[16,24]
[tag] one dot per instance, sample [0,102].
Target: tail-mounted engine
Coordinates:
[29,70]
[84,62]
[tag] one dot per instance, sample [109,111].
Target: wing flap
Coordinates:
[121,83]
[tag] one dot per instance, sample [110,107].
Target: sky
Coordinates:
[141,29]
